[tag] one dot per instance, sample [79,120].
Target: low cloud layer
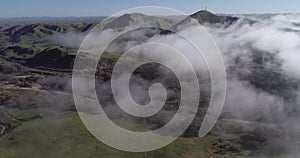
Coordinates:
[262,60]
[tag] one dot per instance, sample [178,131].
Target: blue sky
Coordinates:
[37,8]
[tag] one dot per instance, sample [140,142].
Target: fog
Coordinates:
[267,46]
[277,40]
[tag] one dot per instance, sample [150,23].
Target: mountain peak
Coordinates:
[204,16]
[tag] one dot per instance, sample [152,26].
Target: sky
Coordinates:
[64,8]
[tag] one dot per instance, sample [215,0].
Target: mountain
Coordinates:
[205,16]
[139,20]
[26,33]
[31,42]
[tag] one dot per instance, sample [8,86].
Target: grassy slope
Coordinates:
[63,135]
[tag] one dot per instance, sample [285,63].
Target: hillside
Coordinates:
[38,117]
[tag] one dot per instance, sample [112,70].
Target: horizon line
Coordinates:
[98,16]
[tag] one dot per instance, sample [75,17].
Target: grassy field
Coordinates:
[62,134]
[35,131]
